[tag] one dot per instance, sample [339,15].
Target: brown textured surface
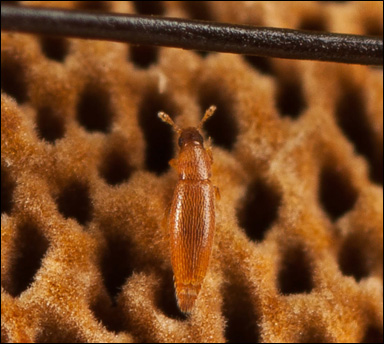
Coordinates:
[298,151]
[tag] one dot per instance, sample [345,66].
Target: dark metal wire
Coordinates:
[196,35]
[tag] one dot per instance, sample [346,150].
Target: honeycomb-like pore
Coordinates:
[85,184]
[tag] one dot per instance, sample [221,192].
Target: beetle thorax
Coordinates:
[193,162]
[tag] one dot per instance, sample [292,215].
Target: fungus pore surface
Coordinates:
[85,184]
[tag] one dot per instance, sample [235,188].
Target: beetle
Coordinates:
[191,220]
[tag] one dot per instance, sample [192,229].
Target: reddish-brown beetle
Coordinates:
[191,221]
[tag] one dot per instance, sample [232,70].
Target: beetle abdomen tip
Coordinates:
[186,296]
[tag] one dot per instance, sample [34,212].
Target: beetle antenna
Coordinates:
[165,118]
[207,115]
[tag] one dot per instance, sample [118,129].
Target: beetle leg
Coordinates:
[173,163]
[164,221]
[217,193]
[209,149]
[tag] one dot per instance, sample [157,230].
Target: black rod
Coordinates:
[195,35]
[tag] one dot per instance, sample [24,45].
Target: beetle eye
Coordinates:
[181,141]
